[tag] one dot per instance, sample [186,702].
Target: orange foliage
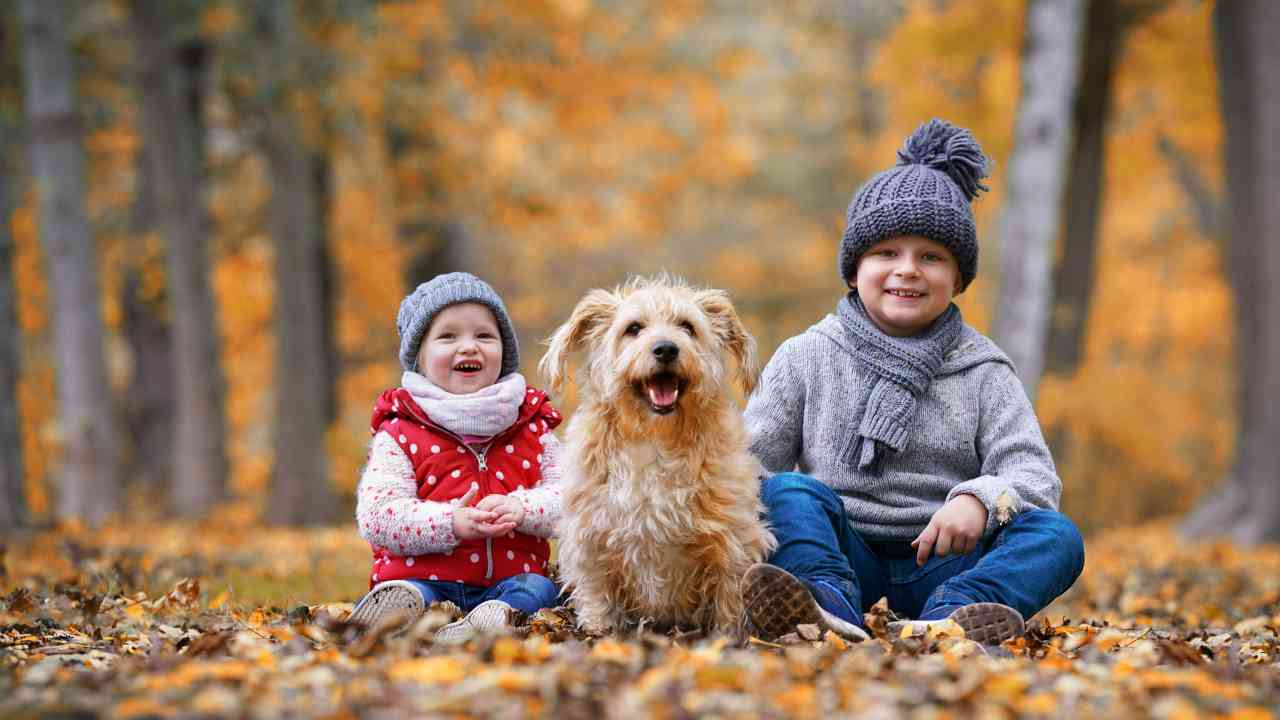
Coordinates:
[575,143]
[1151,406]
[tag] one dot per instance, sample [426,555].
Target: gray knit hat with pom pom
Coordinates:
[423,304]
[939,172]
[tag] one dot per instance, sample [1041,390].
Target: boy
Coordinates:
[923,475]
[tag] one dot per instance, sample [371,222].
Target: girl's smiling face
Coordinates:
[462,351]
[905,283]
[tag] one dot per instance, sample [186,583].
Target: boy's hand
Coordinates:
[470,523]
[955,528]
[509,509]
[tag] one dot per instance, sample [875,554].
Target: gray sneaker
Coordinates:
[491,617]
[986,623]
[385,598]
[776,602]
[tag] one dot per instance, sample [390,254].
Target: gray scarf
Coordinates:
[900,370]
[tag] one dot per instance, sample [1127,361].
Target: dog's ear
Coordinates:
[733,335]
[591,316]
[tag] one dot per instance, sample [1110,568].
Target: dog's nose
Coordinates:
[666,352]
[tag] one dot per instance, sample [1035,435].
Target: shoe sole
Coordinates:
[385,599]
[989,623]
[489,617]
[776,601]
[455,633]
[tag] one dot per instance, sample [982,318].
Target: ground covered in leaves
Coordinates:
[229,620]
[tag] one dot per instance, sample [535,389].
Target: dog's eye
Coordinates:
[634,329]
[688,327]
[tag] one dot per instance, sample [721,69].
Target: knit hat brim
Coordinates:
[424,303]
[945,224]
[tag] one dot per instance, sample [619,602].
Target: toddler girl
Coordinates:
[461,488]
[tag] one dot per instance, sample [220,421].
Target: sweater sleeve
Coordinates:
[389,511]
[1017,470]
[775,413]
[542,503]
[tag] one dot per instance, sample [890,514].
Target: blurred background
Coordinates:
[213,208]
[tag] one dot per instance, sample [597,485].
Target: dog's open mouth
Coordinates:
[662,391]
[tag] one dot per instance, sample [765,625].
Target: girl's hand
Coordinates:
[470,523]
[509,509]
[955,528]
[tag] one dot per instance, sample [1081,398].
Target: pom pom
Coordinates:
[942,146]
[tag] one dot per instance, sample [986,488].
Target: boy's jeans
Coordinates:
[1025,564]
[528,593]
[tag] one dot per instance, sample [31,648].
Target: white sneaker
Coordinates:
[491,617]
[986,623]
[388,597]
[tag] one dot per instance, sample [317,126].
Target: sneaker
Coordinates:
[986,623]
[388,597]
[491,617]
[776,602]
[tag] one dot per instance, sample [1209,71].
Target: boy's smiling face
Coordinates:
[462,351]
[905,283]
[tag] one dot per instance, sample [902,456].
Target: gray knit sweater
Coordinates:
[975,432]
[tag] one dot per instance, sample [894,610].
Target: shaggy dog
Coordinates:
[662,512]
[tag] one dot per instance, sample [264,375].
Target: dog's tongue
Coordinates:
[663,391]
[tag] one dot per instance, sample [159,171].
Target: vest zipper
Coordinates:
[483,465]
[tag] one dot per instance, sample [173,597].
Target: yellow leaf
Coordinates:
[1004,508]
[142,707]
[613,650]
[217,602]
[1005,687]
[1039,704]
[797,700]
[429,671]
[945,629]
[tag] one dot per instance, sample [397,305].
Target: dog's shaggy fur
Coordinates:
[662,512]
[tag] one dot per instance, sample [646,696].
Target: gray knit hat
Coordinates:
[939,172]
[438,293]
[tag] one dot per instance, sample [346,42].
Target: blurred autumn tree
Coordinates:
[90,477]
[169,74]
[13,502]
[1036,179]
[1247,507]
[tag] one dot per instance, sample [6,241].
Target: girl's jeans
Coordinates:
[528,593]
[1024,564]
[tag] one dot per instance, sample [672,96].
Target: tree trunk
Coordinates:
[1247,506]
[90,487]
[147,405]
[300,491]
[199,463]
[1073,275]
[13,497]
[435,249]
[300,487]
[1036,177]
[1106,26]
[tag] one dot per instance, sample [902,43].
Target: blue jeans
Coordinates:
[1025,564]
[528,593]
